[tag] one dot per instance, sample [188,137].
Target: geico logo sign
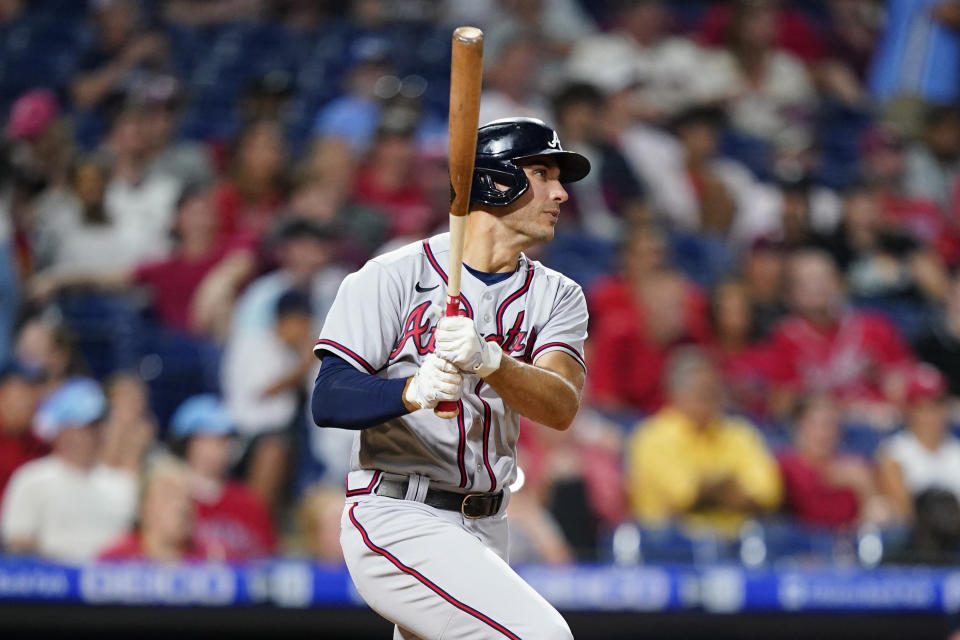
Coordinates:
[133,584]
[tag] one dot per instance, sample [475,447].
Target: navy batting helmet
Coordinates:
[503,146]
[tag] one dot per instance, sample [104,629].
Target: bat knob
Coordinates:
[469,35]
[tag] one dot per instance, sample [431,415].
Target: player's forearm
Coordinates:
[536,393]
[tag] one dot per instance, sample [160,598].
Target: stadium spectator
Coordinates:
[924,456]
[763,269]
[140,203]
[883,160]
[191,290]
[68,505]
[572,489]
[640,316]
[48,345]
[249,200]
[556,25]
[164,531]
[20,393]
[161,101]
[229,516]
[640,48]
[40,135]
[123,55]
[691,464]
[128,422]
[933,162]
[824,345]
[939,343]
[75,234]
[353,116]
[510,88]
[318,524]
[768,91]
[881,263]
[389,181]
[823,486]
[604,200]
[793,30]
[745,361]
[327,201]
[265,377]
[307,257]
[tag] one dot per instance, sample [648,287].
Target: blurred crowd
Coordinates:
[769,242]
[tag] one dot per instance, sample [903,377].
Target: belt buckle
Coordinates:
[463,505]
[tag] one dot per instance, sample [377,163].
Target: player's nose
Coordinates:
[557,193]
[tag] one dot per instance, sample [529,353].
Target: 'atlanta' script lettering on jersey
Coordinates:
[417,326]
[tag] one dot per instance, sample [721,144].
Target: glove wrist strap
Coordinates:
[492,355]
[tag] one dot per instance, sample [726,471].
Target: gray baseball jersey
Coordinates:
[381,322]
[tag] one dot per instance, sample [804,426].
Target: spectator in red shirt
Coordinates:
[228,514]
[250,199]
[827,346]
[636,319]
[165,528]
[388,182]
[20,392]
[824,487]
[884,157]
[745,362]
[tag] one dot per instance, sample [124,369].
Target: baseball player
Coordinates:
[424,531]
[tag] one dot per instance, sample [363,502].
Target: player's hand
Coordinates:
[459,343]
[436,381]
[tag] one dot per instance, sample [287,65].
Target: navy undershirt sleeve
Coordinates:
[344,398]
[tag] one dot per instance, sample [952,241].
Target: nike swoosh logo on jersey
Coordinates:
[422,290]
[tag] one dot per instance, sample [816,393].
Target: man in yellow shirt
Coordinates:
[691,463]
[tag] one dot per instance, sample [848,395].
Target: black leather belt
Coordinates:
[471,505]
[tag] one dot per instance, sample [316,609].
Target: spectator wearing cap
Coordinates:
[823,486]
[68,505]
[691,464]
[826,346]
[191,290]
[925,455]
[164,531]
[264,377]
[306,253]
[883,157]
[40,138]
[20,391]
[939,342]
[228,515]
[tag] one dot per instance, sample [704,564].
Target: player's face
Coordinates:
[539,208]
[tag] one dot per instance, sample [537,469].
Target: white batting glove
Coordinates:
[459,343]
[435,381]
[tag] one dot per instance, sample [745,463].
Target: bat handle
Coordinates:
[448,409]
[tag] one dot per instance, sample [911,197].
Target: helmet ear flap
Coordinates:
[486,191]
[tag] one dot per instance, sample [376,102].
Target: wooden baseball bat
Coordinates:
[466,75]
